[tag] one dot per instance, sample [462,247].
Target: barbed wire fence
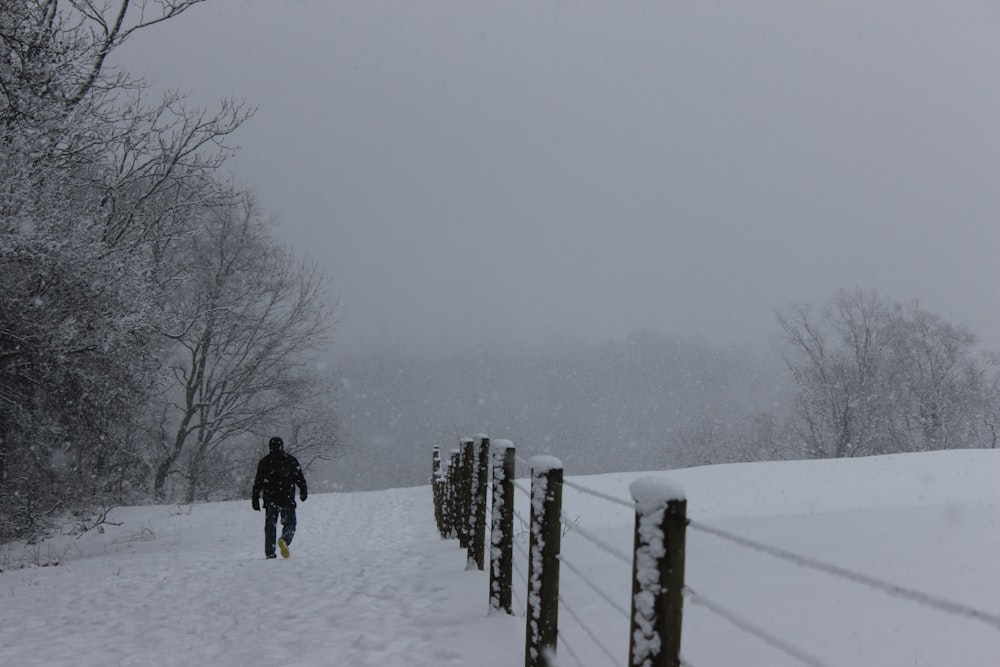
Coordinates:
[656,561]
[542,557]
[570,525]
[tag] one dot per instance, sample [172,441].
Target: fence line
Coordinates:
[753,629]
[524,464]
[574,527]
[590,633]
[462,487]
[685,663]
[594,587]
[602,496]
[522,604]
[541,629]
[657,562]
[919,597]
[571,525]
[521,548]
[525,524]
[524,577]
[569,649]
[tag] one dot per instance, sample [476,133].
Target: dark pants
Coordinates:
[271,525]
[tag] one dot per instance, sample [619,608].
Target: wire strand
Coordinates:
[520,573]
[520,487]
[525,465]
[525,525]
[919,597]
[522,604]
[598,494]
[520,547]
[590,633]
[594,539]
[753,629]
[569,649]
[617,606]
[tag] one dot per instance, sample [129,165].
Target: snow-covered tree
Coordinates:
[75,366]
[99,184]
[876,377]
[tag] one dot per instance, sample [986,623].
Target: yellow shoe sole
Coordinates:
[283,548]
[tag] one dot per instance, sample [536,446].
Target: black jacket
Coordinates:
[278,474]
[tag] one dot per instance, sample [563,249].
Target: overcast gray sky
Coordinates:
[539,169]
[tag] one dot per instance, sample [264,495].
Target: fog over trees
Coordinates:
[855,375]
[648,402]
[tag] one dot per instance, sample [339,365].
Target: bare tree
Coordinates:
[247,321]
[61,49]
[877,377]
[944,386]
[313,429]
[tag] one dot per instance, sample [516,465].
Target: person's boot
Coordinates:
[283,547]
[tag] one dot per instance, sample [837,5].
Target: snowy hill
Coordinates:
[370,582]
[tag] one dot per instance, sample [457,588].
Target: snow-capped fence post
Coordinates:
[439,485]
[543,563]
[657,573]
[477,506]
[451,501]
[435,492]
[502,528]
[463,492]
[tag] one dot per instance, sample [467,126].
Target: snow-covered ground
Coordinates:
[371,583]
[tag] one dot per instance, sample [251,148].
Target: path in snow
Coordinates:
[194,589]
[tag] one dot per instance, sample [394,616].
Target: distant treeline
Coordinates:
[855,375]
[632,404]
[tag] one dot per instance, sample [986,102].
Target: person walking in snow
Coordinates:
[278,473]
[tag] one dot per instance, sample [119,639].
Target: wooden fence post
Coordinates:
[543,564]
[657,573]
[451,493]
[477,506]
[502,528]
[438,491]
[463,495]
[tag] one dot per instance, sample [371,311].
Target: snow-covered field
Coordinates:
[371,583]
